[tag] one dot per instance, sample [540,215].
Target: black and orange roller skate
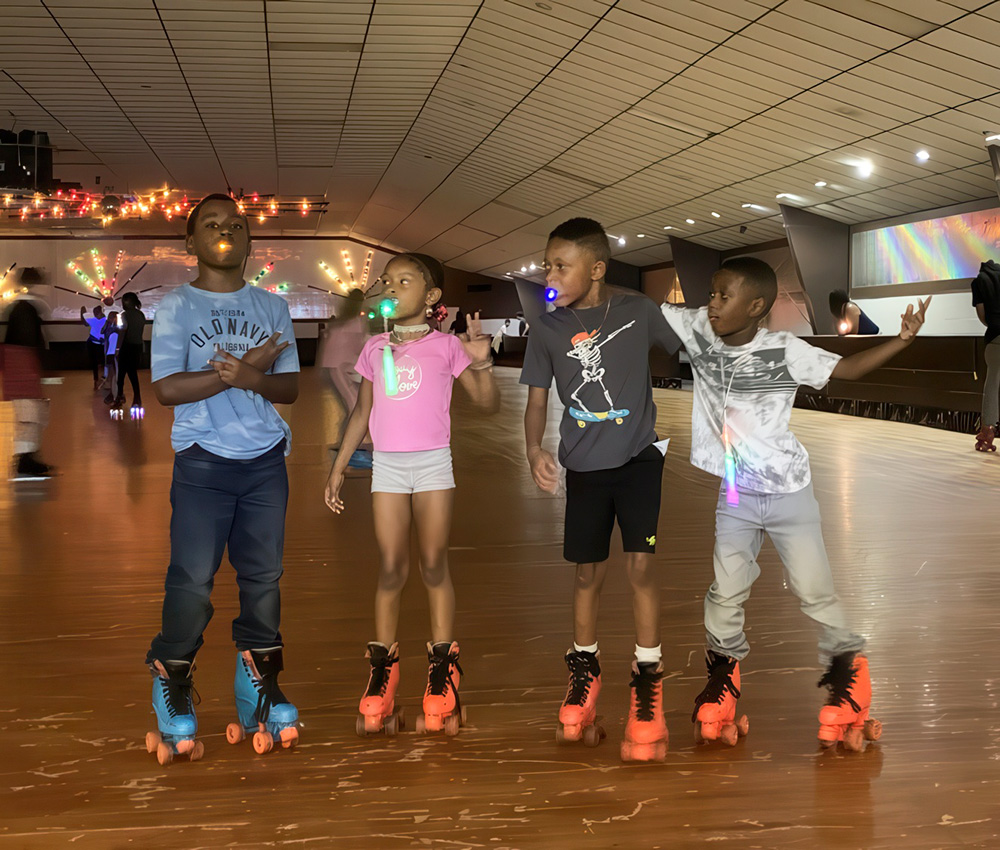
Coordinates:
[845,718]
[174,697]
[645,731]
[378,711]
[442,707]
[578,713]
[714,713]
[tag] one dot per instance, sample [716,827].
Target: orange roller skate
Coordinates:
[646,731]
[844,718]
[984,439]
[378,711]
[714,713]
[578,713]
[442,707]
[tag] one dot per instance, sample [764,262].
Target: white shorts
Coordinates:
[412,472]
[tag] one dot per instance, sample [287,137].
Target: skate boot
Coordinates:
[442,707]
[27,467]
[645,732]
[578,713]
[714,713]
[261,707]
[174,708]
[845,715]
[378,711]
[117,407]
[984,439]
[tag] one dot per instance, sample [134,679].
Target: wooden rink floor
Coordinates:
[910,518]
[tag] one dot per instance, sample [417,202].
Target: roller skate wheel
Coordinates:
[153,740]
[568,734]
[402,718]
[263,742]
[289,737]
[164,753]
[235,733]
[699,738]
[360,726]
[421,724]
[729,735]
[452,723]
[183,748]
[374,723]
[197,751]
[463,715]
[743,726]
[391,725]
[854,739]
[873,729]
[593,735]
[632,752]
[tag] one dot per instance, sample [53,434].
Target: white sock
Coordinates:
[592,648]
[648,654]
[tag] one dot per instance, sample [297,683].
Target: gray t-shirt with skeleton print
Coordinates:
[599,358]
[749,390]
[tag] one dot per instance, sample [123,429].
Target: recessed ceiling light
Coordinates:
[621,240]
[752,206]
[865,168]
[640,235]
[523,269]
[716,215]
[819,184]
[781,195]
[993,137]
[532,267]
[689,220]
[668,227]
[923,156]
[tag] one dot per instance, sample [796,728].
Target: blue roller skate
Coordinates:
[260,705]
[174,707]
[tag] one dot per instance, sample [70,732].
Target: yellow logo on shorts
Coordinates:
[651,540]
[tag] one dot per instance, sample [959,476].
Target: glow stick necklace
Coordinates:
[389,364]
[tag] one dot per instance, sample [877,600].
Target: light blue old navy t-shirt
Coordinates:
[189,323]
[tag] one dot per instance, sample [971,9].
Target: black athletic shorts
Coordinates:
[594,500]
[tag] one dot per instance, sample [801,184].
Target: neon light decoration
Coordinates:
[948,248]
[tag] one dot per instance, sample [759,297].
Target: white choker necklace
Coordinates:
[407,329]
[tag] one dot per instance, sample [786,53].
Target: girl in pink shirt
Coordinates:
[407,376]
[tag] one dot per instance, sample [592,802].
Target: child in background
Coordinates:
[346,335]
[405,397]
[111,335]
[745,380]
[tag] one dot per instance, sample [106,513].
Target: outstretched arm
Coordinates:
[858,365]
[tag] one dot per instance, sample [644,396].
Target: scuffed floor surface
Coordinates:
[910,517]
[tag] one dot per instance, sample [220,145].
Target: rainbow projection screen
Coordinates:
[938,249]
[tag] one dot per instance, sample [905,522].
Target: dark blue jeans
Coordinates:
[218,502]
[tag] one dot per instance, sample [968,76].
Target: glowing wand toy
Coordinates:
[386,308]
[732,494]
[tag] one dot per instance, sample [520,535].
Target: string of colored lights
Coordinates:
[8,293]
[170,203]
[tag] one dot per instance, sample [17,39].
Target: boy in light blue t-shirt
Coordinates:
[217,361]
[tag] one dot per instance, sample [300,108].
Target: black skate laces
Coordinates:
[581,677]
[839,678]
[380,675]
[644,681]
[178,694]
[439,676]
[720,680]
[268,693]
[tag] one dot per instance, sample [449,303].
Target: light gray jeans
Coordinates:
[792,521]
[991,392]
